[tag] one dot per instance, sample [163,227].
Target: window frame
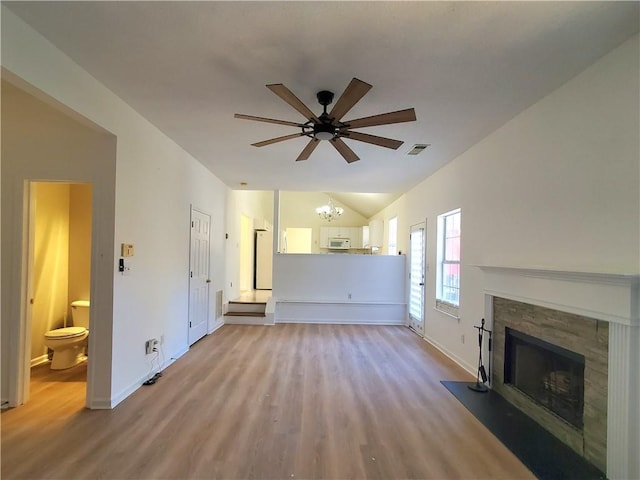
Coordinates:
[448,306]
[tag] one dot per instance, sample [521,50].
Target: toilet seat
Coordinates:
[64,333]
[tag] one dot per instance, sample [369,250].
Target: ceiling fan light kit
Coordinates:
[329,126]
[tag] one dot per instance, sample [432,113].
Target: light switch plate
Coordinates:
[127,250]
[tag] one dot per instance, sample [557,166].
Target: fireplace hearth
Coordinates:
[550,375]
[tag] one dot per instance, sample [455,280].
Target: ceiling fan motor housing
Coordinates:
[325,97]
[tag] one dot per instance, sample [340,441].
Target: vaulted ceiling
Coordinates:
[466,68]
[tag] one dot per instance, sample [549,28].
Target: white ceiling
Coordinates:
[466,68]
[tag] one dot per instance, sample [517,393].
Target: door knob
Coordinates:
[208,281]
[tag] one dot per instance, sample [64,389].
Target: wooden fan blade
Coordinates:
[268,120]
[348,154]
[373,139]
[277,139]
[408,115]
[308,150]
[352,95]
[287,95]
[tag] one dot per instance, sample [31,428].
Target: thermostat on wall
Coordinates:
[127,250]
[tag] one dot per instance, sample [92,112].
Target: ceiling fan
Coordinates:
[329,126]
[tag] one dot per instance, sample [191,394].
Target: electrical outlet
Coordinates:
[349,296]
[149,345]
[462,338]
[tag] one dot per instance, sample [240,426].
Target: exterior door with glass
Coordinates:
[416,277]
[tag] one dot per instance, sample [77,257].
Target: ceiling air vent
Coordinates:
[418,148]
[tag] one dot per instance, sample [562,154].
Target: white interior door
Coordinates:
[199,275]
[416,278]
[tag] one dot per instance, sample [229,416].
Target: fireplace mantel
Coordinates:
[611,297]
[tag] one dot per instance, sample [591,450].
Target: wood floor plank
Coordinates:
[290,401]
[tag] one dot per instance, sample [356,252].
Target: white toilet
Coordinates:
[69,343]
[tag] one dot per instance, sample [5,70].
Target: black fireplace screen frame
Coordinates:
[559,390]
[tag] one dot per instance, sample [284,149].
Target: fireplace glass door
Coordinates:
[551,375]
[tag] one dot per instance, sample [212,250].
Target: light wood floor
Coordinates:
[282,402]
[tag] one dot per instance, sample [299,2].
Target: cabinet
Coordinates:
[324,237]
[356,237]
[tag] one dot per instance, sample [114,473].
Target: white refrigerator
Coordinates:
[264,259]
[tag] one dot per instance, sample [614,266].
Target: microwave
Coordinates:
[339,244]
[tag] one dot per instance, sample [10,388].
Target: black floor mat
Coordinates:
[546,456]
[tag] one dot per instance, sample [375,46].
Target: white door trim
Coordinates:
[20,350]
[196,332]
[417,324]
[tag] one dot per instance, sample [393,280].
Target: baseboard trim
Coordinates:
[115,400]
[345,321]
[100,404]
[219,323]
[246,320]
[39,360]
[461,363]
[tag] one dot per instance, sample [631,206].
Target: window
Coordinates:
[393,236]
[448,279]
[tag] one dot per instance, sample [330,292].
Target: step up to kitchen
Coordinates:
[245,314]
[246,308]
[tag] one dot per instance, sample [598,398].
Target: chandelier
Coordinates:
[329,212]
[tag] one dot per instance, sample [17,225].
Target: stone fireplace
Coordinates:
[566,351]
[553,366]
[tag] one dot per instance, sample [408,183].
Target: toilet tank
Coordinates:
[80,313]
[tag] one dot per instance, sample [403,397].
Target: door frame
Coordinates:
[418,226]
[202,212]
[19,372]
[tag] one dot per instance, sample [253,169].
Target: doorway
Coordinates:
[299,240]
[416,277]
[58,275]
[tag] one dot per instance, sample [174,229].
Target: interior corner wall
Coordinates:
[156,184]
[395,209]
[556,187]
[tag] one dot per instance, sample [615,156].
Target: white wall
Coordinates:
[155,185]
[51,262]
[340,288]
[556,187]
